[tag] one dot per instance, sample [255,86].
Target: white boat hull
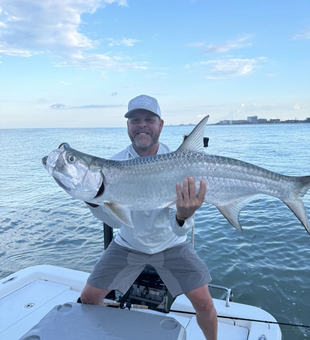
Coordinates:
[27,296]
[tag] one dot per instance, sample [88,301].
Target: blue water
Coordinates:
[267,265]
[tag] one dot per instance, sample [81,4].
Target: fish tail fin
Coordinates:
[305,185]
[296,205]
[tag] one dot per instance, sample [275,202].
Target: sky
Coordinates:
[77,63]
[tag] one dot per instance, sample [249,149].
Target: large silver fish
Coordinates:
[148,183]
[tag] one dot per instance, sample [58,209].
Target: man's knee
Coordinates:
[201,299]
[204,305]
[92,295]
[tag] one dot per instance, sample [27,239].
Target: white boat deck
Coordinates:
[27,296]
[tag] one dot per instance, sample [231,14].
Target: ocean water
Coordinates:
[266,265]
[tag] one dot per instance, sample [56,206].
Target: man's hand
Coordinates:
[188,201]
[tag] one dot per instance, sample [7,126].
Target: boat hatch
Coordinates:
[73,321]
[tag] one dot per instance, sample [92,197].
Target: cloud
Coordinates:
[301,106]
[48,24]
[232,67]
[17,52]
[53,27]
[58,106]
[158,74]
[260,109]
[227,66]
[119,2]
[94,60]
[124,42]
[43,101]
[305,34]
[229,45]
[95,106]
[91,106]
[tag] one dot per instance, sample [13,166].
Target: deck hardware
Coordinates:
[9,280]
[262,337]
[229,294]
[29,305]
[64,308]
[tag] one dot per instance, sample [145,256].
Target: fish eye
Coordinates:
[71,159]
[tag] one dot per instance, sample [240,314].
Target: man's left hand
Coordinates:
[189,201]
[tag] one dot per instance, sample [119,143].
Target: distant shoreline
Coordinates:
[255,121]
[248,123]
[170,125]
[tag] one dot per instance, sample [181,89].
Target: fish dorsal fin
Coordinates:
[119,212]
[193,142]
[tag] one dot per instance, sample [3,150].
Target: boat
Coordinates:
[40,303]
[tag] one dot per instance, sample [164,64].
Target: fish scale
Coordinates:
[147,183]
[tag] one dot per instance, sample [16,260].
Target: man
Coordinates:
[159,236]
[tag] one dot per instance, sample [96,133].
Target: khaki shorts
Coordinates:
[179,267]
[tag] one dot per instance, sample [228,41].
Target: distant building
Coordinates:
[256,120]
[262,121]
[292,121]
[252,120]
[225,122]
[241,121]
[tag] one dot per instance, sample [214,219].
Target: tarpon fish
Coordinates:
[148,183]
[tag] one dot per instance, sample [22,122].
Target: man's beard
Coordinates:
[142,145]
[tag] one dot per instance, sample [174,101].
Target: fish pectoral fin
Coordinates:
[171,204]
[120,212]
[232,215]
[232,210]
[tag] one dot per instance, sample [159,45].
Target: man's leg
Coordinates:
[92,295]
[118,267]
[205,312]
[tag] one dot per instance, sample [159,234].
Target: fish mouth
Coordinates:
[62,185]
[64,145]
[68,189]
[44,160]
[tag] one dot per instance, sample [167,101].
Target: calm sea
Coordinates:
[267,265]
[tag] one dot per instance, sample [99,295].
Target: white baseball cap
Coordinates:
[143,102]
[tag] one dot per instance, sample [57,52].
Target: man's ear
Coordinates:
[161,124]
